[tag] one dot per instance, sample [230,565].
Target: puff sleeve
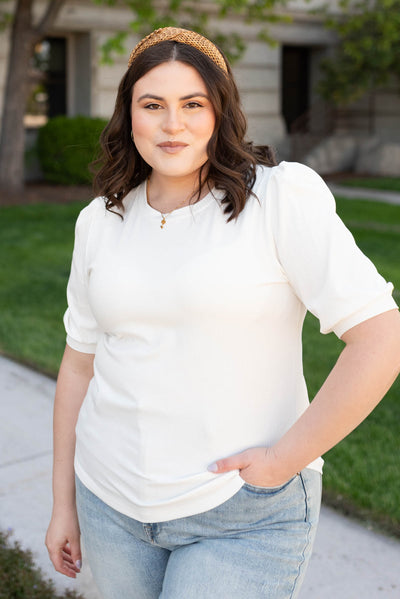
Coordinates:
[328,272]
[80,325]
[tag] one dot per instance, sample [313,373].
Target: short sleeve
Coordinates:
[80,325]
[328,272]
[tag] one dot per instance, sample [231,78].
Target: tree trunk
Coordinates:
[24,35]
[12,131]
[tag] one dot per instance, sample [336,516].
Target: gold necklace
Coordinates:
[165,214]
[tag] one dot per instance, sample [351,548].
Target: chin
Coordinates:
[176,172]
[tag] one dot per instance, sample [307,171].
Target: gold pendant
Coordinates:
[163,221]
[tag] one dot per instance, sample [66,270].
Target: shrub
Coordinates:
[21,579]
[66,146]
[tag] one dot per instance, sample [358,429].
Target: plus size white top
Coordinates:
[196,330]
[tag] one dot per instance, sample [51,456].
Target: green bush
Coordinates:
[21,579]
[66,146]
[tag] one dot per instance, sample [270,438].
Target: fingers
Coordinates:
[234,462]
[76,554]
[63,563]
[66,557]
[256,465]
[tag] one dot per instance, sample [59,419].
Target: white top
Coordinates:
[196,329]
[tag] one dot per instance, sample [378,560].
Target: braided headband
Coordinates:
[184,36]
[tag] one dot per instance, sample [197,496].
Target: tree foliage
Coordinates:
[368,53]
[5,16]
[151,15]
[146,16]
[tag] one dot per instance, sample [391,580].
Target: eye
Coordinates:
[152,106]
[193,105]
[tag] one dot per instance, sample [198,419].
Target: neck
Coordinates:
[168,193]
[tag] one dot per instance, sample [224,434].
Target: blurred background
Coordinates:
[319,82]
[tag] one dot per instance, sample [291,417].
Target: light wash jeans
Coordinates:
[255,545]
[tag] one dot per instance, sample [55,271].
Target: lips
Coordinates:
[172,147]
[172,144]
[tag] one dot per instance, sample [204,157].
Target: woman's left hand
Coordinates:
[257,466]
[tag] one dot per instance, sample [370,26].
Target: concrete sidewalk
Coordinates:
[355,193]
[349,561]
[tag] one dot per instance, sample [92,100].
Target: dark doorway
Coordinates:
[49,79]
[57,77]
[295,83]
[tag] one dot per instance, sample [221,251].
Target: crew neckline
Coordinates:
[184,211]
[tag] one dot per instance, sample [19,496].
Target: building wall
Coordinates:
[258,73]
[377,114]
[4,48]
[387,113]
[92,86]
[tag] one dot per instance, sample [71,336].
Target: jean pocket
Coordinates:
[269,490]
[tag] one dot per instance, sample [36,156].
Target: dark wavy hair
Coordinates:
[232,160]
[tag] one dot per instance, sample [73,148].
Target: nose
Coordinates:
[173,122]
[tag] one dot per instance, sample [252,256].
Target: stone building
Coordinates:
[277,84]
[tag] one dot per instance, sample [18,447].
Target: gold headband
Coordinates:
[184,36]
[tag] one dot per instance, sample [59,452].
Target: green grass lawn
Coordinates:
[383,183]
[36,244]
[362,474]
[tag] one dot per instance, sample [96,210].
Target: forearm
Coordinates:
[76,370]
[364,372]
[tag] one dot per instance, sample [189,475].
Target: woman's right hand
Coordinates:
[63,543]
[63,534]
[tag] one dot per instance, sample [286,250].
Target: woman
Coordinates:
[197,455]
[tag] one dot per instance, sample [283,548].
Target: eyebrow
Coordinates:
[188,97]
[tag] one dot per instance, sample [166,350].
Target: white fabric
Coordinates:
[197,334]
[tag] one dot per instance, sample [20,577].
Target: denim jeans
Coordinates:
[257,544]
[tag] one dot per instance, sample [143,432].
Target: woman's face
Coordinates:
[172,119]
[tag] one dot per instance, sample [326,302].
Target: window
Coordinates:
[48,95]
[295,83]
